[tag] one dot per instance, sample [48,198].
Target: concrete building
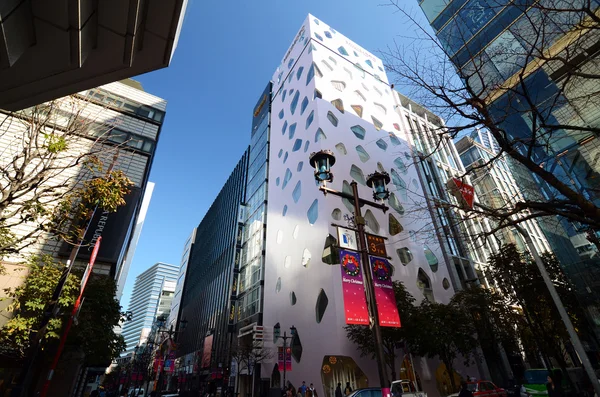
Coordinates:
[152,295]
[120,123]
[277,257]
[54,48]
[497,187]
[437,161]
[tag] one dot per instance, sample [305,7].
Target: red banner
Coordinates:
[384,292]
[355,302]
[288,358]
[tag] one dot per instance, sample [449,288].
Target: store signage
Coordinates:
[376,245]
[355,302]
[347,238]
[463,192]
[384,292]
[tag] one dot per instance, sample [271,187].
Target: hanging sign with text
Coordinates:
[355,302]
[384,292]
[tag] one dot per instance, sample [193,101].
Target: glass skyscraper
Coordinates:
[535,62]
[152,295]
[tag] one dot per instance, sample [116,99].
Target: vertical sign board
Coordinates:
[288,358]
[207,351]
[384,292]
[355,302]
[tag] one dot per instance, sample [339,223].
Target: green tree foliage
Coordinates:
[520,282]
[444,331]
[493,318]
[363,337]
[29,300]
[98,317]
[99,314]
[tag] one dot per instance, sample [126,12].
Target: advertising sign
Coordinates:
[207,352]
[112,227]
[347,238]
[288,358]
[384,292]
[463,192]
[355,302]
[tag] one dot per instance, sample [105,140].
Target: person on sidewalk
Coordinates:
[311,391]
[464,390]
[338,391]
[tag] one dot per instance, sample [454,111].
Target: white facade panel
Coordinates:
[300,217]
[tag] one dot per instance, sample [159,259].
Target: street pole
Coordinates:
[370,292]
[74,312]
[562,311]
[285,337]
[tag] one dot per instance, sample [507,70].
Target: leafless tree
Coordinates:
[53,163]
[496,90]
[247,354]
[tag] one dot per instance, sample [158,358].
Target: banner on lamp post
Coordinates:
[353,287]
[384,292]
[287,356]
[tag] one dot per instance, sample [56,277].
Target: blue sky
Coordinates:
[227,53]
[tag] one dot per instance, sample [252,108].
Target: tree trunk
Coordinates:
[450,369]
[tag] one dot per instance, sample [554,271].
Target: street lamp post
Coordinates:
[322,162]
[277,333]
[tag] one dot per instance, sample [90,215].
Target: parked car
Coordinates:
[366,392]
[484,388]
[406,388]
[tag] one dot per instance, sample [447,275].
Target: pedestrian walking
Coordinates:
[464,390]
[302,389]
[338,391]
[348,389]
[311,392]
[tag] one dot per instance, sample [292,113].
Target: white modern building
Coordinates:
[330,93]
[152,295]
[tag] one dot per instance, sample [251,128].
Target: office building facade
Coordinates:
[492,43]
[121,124]
[437,162]
[203,345]
[185,258]
[501,50]
[152,295]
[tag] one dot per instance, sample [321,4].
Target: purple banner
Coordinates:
[384,292]
[355,302]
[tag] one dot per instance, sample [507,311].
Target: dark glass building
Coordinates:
[208,284]
[495,47]
[223,289]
